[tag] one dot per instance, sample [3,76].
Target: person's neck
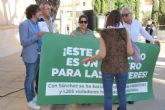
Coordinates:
[47,18]
[34,19]
[82,30]
[129,22]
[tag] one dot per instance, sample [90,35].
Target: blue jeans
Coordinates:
[31,71]
[121,80]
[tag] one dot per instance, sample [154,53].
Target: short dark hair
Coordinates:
[83,16]
[114,18]
[31,10]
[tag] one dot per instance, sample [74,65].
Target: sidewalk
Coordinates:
[12,93]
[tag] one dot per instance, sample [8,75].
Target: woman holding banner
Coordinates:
[115,47]
[83,30]
[30,35]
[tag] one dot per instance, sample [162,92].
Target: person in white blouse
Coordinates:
[45,24]
[134,27]
[46,21]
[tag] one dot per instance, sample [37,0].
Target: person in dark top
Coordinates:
[149,29]
[115,47]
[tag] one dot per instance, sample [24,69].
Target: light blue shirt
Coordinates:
[28,39]
[135,28]
[36,29]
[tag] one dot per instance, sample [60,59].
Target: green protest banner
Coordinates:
[64,79]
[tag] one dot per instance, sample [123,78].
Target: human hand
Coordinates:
[157,42]
[86,60]
[40,34]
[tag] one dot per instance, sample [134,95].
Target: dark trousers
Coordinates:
[37,76]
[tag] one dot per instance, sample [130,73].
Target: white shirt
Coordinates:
[44,27]
[120,26]
[135,28]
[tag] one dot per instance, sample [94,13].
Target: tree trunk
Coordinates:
[54,4]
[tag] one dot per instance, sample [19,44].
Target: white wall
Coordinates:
[12,11]
[11,14]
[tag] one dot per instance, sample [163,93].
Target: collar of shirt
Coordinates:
[34,25]
[78,29]
[120,26]
[33,22]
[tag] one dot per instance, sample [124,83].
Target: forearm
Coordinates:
[28,41]
[26,38]
[146,35]
[99,56]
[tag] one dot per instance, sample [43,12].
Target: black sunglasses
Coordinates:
[83,22]
[125,15]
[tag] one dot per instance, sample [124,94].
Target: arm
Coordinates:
[145,34]
[101,54]
[130,50]
[25,40]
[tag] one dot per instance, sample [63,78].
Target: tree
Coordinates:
[155,11]
[133,4]
[54,4]
[161,6]
[118,4]
[105,6]
[161,14]
[136,9]
[97,6]
[101,6]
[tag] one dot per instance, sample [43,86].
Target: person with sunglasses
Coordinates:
[45,23]
[83,30]
[134,27]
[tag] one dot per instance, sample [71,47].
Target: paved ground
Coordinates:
[12,93]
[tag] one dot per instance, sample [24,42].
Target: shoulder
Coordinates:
[90,31]
[75,32]
[112,29]
[24,23]
[136,22]
[104,31]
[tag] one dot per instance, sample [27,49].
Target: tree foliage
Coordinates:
[161,18]
[155,11]
[97,6]
[136,8]
[101,6]
[162,6]
[54,4]
[105,6]
[133,4]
